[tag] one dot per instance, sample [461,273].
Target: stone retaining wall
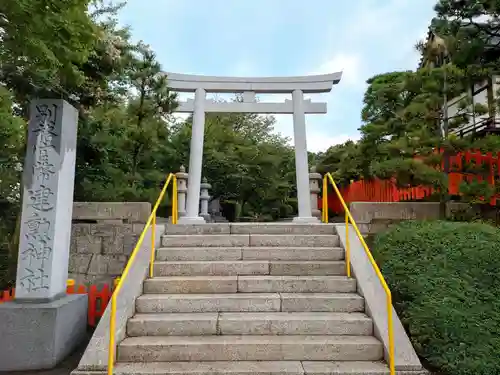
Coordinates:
[373,217]
[102,238]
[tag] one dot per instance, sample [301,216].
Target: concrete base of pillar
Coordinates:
[191,220]
[206,217]
[305,219]
[37,336]
[316,213]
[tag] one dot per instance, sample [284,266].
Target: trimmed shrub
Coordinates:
[445,279]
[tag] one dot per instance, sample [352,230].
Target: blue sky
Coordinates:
[287,37]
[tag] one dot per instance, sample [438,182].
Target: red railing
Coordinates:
[98,299]
[464,167]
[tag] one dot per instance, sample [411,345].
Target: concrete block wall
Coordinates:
[103,236]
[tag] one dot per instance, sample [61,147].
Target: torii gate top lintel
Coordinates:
[272,85]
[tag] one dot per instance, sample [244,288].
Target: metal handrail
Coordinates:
[349,218]
[150,222]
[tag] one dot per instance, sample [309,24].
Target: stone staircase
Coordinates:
[264,299]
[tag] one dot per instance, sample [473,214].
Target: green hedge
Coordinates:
[445,278]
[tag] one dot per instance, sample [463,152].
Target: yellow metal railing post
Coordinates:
[111,349]
[153,241]
[390,333]
[324,200]
[175,210]
[119,281]
[347,247]
[349,218]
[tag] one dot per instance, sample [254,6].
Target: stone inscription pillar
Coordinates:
[195,161]
[301,159]
[44,323]
[48,181]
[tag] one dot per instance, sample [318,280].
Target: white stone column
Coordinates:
[195,161]
[48,181]
[314,185]
[204,198]
[301,159]
[182,180]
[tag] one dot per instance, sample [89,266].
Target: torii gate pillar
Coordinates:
[297,86]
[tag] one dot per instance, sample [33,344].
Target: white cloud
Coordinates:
[347,63]
[317,142]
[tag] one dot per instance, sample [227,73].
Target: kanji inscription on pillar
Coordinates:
[47,201]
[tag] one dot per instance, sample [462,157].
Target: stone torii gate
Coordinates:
[297,86]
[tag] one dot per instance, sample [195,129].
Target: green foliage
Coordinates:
[244,162]
[444,277]
[44,42]
[342,161]
[12,134]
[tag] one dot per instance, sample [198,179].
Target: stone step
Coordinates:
[249,348]
[198,253]
[296,284]
[295,240]
[178,303]
[282,228]
[348,368]
[248,267]
[294,323]
[306,267]
[250,284]
[241,302]
[322,302]
[192,284]
[184,324]
[206,228]
[258,240]
[249,253]
[250,323]
[250,228]
[207,240]
[210,368]
[253,368]
[212,268]
[293,253]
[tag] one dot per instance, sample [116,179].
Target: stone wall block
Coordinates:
[113,245]
[132,212]
[111,265]
[79,263]
[129,243]
[80,229]
[87,245]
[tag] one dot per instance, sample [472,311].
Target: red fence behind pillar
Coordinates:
[464,167]
[98,299]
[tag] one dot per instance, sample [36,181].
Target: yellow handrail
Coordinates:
[151,221]
[349,218]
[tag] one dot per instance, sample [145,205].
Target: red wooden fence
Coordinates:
[466,166]
[98,299]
